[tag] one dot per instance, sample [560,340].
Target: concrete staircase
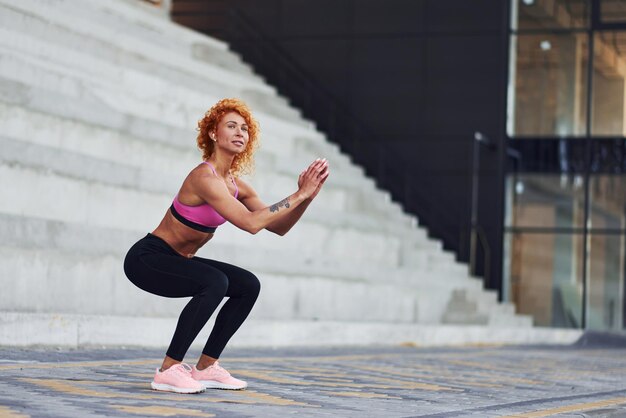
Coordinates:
[99,100]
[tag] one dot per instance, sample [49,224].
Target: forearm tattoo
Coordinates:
[276,206]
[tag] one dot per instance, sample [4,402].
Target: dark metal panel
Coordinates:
[463,16]
[388,18]
[462,84]
[305,18]
[327,59]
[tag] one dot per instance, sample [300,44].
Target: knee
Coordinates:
[221,284]
[216,285]
[253,285]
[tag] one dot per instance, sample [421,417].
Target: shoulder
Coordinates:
[245,189]
[202,177]
[202,172]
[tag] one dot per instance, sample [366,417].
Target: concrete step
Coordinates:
[55,281]
[47,253]
[131,12]
[51,280]
[67,330]
[517,320]
[21,93]
[61,29]
[465,317]
[55,38]
[461,310]
[165,107]
[469,306]
[28,116]
[468,317]
[70,237]
[352,174]
[35,15]
[67,164]
[128,18]
[107,205]
[68,142]
[23,124]
[126,90]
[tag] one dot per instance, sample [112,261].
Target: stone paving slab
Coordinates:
[487,381]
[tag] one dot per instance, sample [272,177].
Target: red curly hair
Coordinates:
[243,163]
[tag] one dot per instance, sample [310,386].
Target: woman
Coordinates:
[164,262]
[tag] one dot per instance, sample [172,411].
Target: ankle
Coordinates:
[205,361]
[167,364]
[205,364]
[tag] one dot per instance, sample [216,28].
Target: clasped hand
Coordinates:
[312,179]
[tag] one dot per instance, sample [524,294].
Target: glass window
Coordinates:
[551,14]
[608,201]
[569,127]
[613,11]
[609,71]
[543,277]
[608,155]
[605,295]
[549,97]
[545,200]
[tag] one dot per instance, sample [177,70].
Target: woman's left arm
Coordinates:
[252,201]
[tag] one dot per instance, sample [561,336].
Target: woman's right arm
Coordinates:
[213,191]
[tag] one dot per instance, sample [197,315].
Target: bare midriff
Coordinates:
[184,240]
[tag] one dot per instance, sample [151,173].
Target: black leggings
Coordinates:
[152,265]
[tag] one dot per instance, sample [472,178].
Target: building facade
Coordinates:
[566,183]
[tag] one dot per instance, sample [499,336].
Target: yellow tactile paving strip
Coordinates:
[6,412]
[162,411]
[571,408]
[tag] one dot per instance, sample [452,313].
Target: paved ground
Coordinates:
[517,381]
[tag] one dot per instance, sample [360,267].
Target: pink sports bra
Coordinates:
[202,217]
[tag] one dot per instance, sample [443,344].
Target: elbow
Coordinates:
[251,228]
[277,231]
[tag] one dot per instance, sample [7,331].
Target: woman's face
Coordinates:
[232,133]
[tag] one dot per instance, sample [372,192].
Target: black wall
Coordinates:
[422,76]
